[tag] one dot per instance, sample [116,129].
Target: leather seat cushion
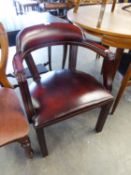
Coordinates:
[64,91]
[13,124]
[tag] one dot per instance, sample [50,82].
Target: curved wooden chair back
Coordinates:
[3,57]
[13,125]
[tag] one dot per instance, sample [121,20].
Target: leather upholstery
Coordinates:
[34,37]
[64,92]
[13,124]
[61,94]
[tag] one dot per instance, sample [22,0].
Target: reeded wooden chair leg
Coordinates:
[25,143]
[42,142]
[103,116]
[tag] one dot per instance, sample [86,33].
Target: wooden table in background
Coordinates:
[115,29]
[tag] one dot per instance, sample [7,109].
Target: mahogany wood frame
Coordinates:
[23,52]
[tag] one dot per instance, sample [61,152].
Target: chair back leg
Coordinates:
[42,142]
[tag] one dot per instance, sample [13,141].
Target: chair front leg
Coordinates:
[25,143]
[42,142]
[103,116]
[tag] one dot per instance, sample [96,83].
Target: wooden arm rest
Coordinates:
[17,64]
[23,84]
[108,63]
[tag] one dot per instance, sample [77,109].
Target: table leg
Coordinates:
[118,57]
